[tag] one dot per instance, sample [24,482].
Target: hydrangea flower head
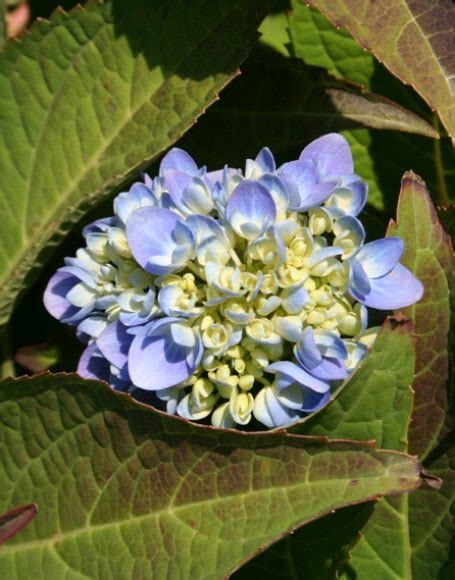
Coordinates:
[229,295]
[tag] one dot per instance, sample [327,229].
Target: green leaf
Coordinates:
[258,108]
[377,403]
[413,41]
[429,255]
[125,491]
[380,157]
[91,97]
[15,520]
[316,41]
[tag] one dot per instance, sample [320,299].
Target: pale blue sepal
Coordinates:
[270,412]
[397,289]
[379,257]
[286,371]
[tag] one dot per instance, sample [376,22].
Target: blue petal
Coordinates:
[397,289]
[114,343]
[379,257]
[205,227]
[156,362]
[330,369]
[250,209]
[265,160]
[294,299]
[77,270]
[101,225]
[349,227]
[93,325]
[92,364]
[275,186]
[313,401]
[291,396]
[306,350]
[300,180]
[323,254]
[270,412]
[322,353]
[126,202]
[358,284]
[298,375]
[55,298]
[330,344]
[348,200]
[331,155]
[178,159]
[319,194]
[176,182]
[159,240]
[213,177]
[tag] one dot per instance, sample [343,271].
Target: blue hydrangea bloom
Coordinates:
[231,296]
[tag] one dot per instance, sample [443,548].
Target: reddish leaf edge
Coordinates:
[134,404]
[179,422]
[16,520]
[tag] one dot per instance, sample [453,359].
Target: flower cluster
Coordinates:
[231,294]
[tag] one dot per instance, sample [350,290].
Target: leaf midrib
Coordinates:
[174,510]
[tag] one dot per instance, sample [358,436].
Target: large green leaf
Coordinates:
[377,403]
[429,255]
[125,491]
[414,40]
[380,157]
[92,96]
